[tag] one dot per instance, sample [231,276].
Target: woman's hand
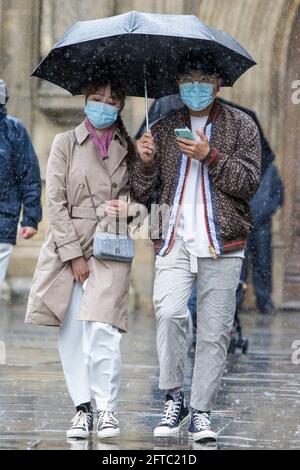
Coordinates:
[80,269]
[194,149]
[146,148]
[116,208]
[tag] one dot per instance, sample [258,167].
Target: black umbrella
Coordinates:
[138,48]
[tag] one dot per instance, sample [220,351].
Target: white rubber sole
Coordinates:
[108,433]
[78,434]
[203,436]
[166,432]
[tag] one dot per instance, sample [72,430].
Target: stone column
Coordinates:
[19,34]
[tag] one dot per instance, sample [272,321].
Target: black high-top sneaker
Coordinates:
[176,415]
[82,424]
[107,424]
[200,428]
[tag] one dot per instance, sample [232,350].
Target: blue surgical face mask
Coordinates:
[196,96]
[101,115]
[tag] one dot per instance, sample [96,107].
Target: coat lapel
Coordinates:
[116,156]
[116,153]
[82,134]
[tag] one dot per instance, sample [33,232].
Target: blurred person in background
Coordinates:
[264,204]
[20,184]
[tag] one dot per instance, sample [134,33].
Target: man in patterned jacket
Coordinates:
[201,188]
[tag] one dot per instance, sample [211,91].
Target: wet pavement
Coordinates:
[258,405]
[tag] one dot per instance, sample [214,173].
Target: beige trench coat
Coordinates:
[72,223]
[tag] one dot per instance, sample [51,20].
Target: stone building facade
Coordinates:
[269,30]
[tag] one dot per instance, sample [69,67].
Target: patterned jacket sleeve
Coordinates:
[238,174]
[144,179]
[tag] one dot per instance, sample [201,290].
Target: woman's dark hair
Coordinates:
[119,92]
[116,89]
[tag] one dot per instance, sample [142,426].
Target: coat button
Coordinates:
[114,185]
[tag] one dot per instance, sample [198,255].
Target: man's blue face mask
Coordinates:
[101,115]
[196,96]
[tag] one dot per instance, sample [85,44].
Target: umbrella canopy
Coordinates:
[124,46]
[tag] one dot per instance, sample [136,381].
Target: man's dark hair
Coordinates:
[197,61]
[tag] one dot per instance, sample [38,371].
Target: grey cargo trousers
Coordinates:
[217,281]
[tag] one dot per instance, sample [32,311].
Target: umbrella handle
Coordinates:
[146,98]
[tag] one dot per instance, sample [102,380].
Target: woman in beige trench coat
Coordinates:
[70,284]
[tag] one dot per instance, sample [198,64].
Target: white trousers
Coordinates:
[5,252]
[91,357]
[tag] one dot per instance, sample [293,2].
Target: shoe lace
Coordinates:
[202,421]
[170,412]
[79,419]
[106,418]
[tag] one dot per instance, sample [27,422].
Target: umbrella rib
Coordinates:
[133,17]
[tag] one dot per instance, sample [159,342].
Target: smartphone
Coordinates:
[184,133]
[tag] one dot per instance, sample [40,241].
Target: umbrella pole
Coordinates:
[146,98]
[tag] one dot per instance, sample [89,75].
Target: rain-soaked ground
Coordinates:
[258,406]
